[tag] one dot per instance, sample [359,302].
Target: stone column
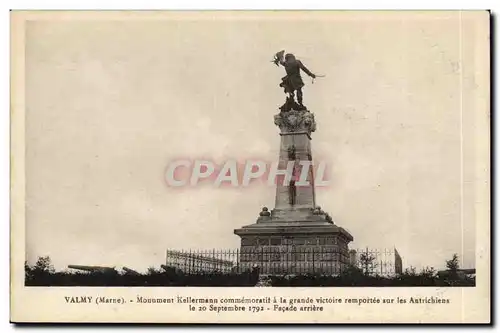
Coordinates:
[295,130]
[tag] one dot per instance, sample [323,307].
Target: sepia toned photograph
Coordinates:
[172,166]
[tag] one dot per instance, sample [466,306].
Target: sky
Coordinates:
[111,102]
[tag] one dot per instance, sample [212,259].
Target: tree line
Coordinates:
[42,273]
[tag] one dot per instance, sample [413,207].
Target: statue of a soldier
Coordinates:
[292,82]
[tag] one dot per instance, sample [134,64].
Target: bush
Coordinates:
[43,274]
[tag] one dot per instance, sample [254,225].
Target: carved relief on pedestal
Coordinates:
[295,121]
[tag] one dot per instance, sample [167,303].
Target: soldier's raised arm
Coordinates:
[304,68]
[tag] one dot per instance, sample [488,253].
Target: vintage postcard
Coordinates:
[250,166]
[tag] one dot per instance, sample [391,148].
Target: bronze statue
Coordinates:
[292,82]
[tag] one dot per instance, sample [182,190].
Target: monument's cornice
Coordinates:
[293,228]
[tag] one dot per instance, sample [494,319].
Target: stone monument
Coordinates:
[297,236]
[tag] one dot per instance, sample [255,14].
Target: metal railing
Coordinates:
[281,260]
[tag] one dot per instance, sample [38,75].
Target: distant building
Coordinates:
[398,263]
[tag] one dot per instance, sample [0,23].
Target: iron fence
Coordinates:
[280,260]
[383,262]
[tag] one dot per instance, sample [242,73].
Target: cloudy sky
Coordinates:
[110,102]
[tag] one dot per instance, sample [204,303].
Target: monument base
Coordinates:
[294,241]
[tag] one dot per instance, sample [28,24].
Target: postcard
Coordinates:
[250,167]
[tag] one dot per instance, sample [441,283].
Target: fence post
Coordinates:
[190,262]
[301,262]
[287,253]
[215,260]
[262,260]
[314,268]
[238,261]
[322,260]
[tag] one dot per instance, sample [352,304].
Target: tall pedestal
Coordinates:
[297,236]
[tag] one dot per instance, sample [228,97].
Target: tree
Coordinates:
[153,271]
[40,273]
[411,271]
[44,265]
[428,273]
[453,266]
[28,272]
[367,262]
